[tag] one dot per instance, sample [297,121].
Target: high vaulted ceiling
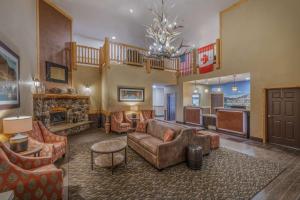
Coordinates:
[100,18]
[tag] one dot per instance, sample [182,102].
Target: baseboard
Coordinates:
[256,139]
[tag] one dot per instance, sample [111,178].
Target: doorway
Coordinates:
[283,116]
[171,107]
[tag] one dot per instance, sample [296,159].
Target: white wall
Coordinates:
[18,32]
[85,41]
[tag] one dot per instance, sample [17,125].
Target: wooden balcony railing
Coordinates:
[87,55]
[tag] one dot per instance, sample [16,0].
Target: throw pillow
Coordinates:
[169,135]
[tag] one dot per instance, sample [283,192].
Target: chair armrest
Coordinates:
[50,137]
[26,162]
[127,120]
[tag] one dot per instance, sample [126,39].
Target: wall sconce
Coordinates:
[36,84]
[87,89]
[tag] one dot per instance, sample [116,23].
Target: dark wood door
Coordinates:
[217,100]
[283,116]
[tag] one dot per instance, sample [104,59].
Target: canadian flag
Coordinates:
[206,58]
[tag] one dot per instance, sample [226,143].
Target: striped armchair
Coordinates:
[53,145]
[30,177]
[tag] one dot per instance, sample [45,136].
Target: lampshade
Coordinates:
[134,108]
[21,124]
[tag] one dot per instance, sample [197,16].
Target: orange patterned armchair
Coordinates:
[53,145]
[119,122]
[145,115]
[30,177]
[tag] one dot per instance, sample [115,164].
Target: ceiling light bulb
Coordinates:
[195,91]
[170,25]
[206,90]
[131,10]
[113,37]
[175,23]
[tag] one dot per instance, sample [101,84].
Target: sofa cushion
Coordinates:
[169,135]
[136,136]
[161,127]
[151,144]
[124,125]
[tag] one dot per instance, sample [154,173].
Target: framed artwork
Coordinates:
[56,73]
[9,78]
[131,94]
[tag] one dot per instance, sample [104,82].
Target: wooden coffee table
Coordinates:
[109,153]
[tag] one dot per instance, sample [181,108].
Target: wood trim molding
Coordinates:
[62,11]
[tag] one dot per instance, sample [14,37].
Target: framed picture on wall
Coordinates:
[56,73]
[131,94]
[9,78]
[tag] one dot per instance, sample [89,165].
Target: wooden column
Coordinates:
[106,52]
[218,54]
[148,66]
[195,61]
[73,56]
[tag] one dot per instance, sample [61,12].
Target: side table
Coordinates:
[32,151]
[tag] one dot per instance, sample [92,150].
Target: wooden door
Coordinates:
[217,100]
[283,116]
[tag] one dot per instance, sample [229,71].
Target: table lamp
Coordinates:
[134,109]
[17,126]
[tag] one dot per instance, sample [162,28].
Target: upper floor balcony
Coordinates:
[119,53]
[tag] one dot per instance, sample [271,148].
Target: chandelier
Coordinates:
[164,35]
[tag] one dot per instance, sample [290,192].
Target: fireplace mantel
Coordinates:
[59,96]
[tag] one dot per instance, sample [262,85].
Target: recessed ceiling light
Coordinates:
[113,37]
[131,10]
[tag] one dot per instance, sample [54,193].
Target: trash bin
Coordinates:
[194,156]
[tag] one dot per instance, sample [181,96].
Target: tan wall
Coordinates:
[84,77]
[188,90]
[130,76]
[260,37]
[18,32]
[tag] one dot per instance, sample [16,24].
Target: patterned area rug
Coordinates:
[225,174]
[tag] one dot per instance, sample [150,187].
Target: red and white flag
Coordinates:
[185,66]
[206,58]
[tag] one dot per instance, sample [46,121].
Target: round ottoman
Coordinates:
[194,156]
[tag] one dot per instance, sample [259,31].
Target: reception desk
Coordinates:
[193,115]
[233,120]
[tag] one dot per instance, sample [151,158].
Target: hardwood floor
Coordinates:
[285,186]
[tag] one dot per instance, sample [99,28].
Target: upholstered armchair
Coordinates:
[119,122]
[30,177]
[145,116]
[53,145]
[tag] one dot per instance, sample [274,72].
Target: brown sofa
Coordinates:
[162,154]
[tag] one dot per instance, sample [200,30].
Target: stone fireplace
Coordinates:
[61,109]
[58,117]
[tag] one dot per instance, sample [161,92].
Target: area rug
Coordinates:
[225,174]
